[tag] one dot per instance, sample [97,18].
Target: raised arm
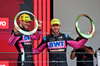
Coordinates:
[36,36]
[77,44]
[14,36]
[38,33]
[13,39]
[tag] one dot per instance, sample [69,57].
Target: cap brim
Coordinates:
[28,20]
[55,24]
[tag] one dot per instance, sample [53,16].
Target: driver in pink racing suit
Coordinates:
[23,43]
[56,44]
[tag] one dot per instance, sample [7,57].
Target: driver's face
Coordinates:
[55,28]
[25,24]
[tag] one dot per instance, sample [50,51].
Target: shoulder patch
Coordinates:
[44,38]
[66,35]
[10,38]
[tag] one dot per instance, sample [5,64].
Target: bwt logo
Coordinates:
[4,23]
[56,44]
[26,38]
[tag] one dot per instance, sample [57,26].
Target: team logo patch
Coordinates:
[57,44]
[26,38]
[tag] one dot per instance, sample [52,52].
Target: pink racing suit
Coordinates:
[56,46]
[23,43]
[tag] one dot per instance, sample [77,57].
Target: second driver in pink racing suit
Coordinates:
[56,43]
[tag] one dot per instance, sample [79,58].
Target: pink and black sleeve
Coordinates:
[13,39]
[40,48]
[36,36]
[75,44]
